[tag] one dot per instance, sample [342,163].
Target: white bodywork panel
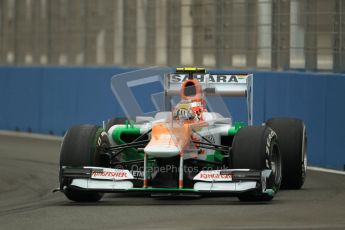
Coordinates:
[101,184]
[212,180]
[105,178]
[217,126]
[225,186]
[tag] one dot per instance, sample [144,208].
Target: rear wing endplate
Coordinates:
[232,85]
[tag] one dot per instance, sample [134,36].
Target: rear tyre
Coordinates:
[293,145]
[82,146]
[256,147]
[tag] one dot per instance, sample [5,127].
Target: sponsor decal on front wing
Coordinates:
[214,175]
[111,174]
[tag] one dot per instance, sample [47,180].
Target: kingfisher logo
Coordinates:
[120,174]
[213,175]
[203,78]
[111,174]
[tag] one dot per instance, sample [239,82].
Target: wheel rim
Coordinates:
[275,163]
[304,155]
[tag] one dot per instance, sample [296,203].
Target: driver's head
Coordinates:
[191,90]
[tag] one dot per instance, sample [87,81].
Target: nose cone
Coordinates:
[167,142]
[163,149]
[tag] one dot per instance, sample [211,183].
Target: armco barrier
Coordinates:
[50,99]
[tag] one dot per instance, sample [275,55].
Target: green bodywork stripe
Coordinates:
[270,192]
[235,128]
[129,129]
[216,156]
[164,189]
[210,157]
[124,130]
[134,154]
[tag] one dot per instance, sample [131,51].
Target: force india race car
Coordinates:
[187,150]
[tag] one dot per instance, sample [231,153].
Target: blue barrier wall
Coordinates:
[50,99]
[318,99]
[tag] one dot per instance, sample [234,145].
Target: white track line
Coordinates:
[59,138]
[30,135]
[312,168]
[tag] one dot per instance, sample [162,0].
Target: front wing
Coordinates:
[109,180]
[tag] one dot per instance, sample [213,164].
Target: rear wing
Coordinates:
[232,85]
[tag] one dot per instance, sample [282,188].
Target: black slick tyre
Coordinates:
[82,146]
[293,145]
[114,121]
[257,147]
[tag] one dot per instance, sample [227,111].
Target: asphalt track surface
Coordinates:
[29,172]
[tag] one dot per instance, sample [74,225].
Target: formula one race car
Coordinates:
[187,150]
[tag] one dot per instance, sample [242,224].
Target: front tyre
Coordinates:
[293,145]
[115,121]
[256,147]
[82,146]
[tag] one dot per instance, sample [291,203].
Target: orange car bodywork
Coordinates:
[172,138]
